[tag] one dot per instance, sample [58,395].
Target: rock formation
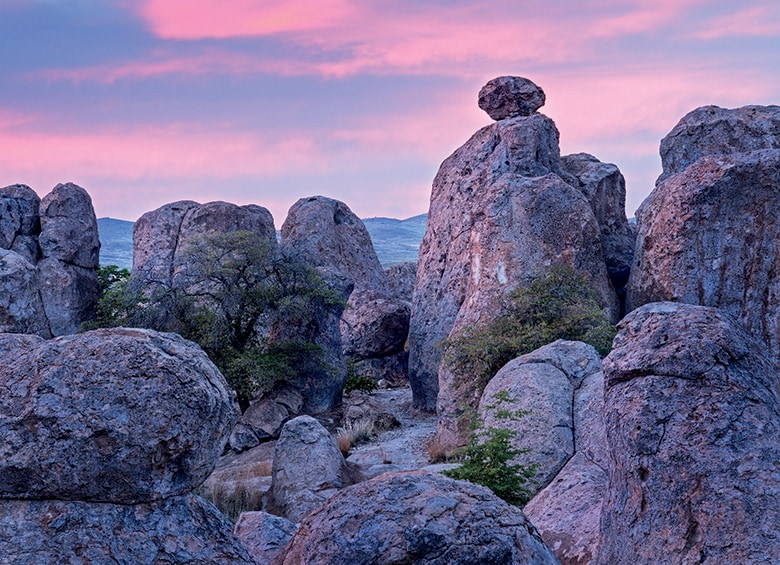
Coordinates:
[709,232]
[503,207]
[401,279]
[509,97]
[415,517]
[693,428]
[264,535]
[104,436]
[308,469]
[264,418]
[49,268]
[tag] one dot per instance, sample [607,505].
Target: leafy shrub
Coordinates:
[358,381]
[486,459]
[559,304]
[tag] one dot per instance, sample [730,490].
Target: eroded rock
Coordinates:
[263,534]
[508,97]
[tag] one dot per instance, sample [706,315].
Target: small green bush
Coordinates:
[559,304]
[358,381]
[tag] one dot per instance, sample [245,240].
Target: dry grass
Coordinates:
[354,433]
[232,502]
[438,452]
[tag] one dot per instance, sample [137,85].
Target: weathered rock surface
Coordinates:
[605,188]
[400,279]
[328,234]
[711,131]
[502,208]
[263,534]
[264,418]
[308,469]
[20,222]
[693,426]
[376,326]
[69,227]
[69,294]
[508,97]
[541,383]
[177,530]
[416,517]
[567,512]
[709,236]
[21,307]
[119,415]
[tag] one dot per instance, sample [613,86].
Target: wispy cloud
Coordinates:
[761,20]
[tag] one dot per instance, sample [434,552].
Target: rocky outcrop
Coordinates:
[693,428]
[178,530]
[509,97]
[264,535]
[264,418]
[541,385]
[376,327]
[110,415]
[308,469]
[50,267]
[416,517]
[104,436]
[708,233]
[502,209]
[605,188]
[567,512]
[401,279]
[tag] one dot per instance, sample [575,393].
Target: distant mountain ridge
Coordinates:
[395,241]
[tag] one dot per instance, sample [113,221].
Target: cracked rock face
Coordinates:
[416,517]
[693,426]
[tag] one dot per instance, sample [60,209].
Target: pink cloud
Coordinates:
[761,20]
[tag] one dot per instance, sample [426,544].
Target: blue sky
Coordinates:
[150,101]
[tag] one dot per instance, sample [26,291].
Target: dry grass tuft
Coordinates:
[437,451]
[355,432]
[232,502]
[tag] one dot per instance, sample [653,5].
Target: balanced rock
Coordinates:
[693,427]
[263,534]
[711,130]
[177,530]
[416,517]
[308,469]
[542,385]
[378,325]
[709,236]
[114,415]
[508,97]
[20,221]
[69,227]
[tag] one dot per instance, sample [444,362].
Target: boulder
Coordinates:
[308,469]
[70,294]
[264,418]
[391,370]
[69,227]
[709,236]
[567,512]
[263,534]
[113,415]
[376,326]
[20,221]
[693,427]
[416,517]
[711,131]
[542,385]
[177,530]
[502,208]
[400,279]
[605,188]
[21,307]
[327,233]
[508,97]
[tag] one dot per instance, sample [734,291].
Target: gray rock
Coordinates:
[177,530]
[709,236]
[693,427]
[69,227]
[69,293]
[567,512]
[19,221]
[376,326]
[712,131]
[497,217]
[605,188]
[542,384]
[264,535]
[119,415]
[416,517]
[508,97]
[308,469]
[263,420]
[400,279]
[391,369]
[328,234]
[21,307]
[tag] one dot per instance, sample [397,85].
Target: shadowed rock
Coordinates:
[508,97]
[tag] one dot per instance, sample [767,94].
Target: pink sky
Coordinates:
[143,103]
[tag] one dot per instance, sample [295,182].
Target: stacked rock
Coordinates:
[105,435]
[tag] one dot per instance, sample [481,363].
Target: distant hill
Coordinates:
[395,241]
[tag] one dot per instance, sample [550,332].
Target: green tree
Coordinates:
[558,304]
